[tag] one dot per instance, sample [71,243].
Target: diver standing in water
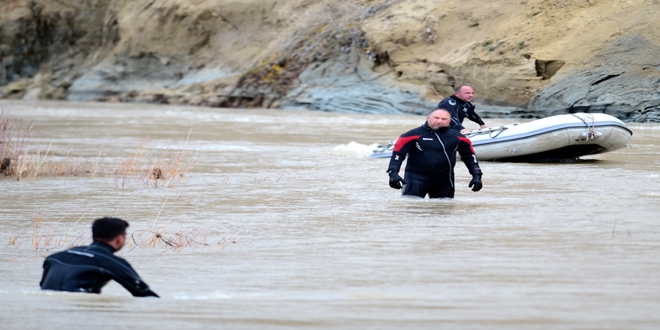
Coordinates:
[431,151]
[460,106]
[89,268]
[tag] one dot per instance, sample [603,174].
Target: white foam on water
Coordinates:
[355,149]
[223,295]
[212,295]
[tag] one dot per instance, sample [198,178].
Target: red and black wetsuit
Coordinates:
[459,110]
[88,269]
[431,159]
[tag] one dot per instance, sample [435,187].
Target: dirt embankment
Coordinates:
[383,56]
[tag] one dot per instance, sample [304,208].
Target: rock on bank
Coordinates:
[535,57]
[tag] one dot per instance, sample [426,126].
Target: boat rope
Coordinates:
[498,132]
[590,134]
[489,130]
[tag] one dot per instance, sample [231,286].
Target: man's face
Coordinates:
[438,118]
[466,94]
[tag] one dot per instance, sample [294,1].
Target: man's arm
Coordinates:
[399,152]
[127,277]
[401,149]
[456,125]
[473,116]
[46,268]
[137,287]
[468,156]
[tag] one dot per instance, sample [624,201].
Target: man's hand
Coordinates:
[483,126]
[396,181]
[475,183]
[465,130]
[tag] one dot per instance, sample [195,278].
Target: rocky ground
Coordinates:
[526,58]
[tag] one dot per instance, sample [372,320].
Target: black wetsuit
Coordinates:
[459,109]
[88,269]
[431,159]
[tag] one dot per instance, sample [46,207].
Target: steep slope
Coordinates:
[383,56]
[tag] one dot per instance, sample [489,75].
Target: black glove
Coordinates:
[396,181]
[476,182]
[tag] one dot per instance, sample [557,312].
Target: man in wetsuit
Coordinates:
[89,268]
[460,106]
[431,151]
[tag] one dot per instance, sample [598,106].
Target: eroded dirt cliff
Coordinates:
[381,56]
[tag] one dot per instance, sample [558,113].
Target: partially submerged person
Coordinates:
[431,151]
[460,106]
[90,268]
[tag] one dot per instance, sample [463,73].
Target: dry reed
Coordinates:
[51,238]
[48,234]
[168,170]
[19,161]
[14,141]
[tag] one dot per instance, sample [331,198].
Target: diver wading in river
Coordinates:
[460,106]
[90,268]
[431,151]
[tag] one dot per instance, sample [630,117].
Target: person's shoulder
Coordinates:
[103,251]
[445,100]
[116,262]
[122,260]
[56,255]
[75,249]
[448,103]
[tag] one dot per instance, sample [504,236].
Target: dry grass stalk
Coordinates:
[130,166]
[17,161]
[51,238]
[70,229]
[167,238]
[96,165]
[60,169]
[228,241]
[172,240]
[153,225]
[164,238]
[169,169]
[40,163]
[165,171]
[14,141]
[12,240]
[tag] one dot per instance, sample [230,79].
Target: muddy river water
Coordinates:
[272,219]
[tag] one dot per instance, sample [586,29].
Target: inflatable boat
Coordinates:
[556,138]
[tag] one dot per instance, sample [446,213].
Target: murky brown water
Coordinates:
[297,228]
